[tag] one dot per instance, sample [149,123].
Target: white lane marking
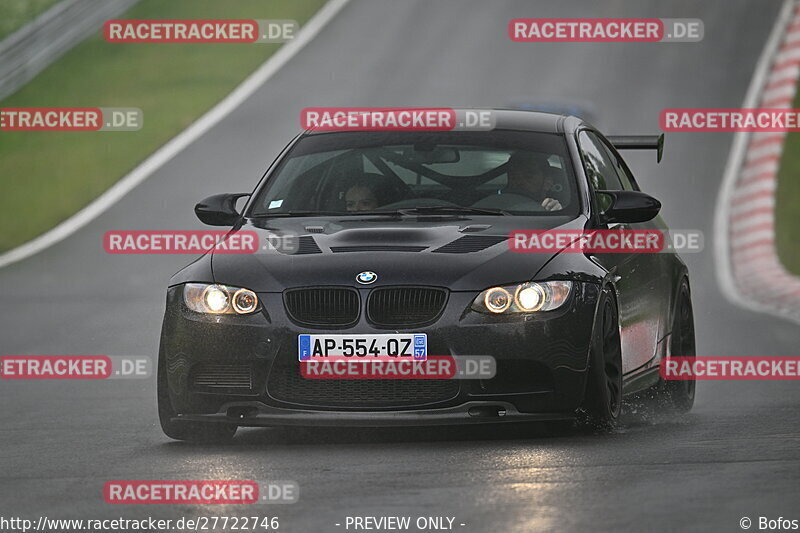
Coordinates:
[174,146]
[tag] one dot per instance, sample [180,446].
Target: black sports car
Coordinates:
[398,235]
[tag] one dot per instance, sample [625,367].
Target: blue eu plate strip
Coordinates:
[420,346]
[304,343]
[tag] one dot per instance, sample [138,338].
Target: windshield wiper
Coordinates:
[452,209]
[411,211]
[299,214]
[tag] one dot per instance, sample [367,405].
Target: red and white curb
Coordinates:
[750,272]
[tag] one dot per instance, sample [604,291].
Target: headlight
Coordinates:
[497,300]
[244,301]
[523,298]
[219,299]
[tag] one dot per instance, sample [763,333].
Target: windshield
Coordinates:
[476,173]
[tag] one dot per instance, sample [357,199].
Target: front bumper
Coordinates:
[541,364]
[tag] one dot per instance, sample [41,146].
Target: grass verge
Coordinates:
[61,172]
[787,203]
[14,14]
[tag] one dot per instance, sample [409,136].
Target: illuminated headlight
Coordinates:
[244,301]
[523,298]
[219,299]
[497,300]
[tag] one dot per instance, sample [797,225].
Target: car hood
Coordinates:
[461,253]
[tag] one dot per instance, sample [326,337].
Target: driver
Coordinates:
[529,175]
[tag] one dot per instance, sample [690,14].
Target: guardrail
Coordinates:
[29,50]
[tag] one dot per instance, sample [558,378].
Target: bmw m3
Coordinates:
[396,244]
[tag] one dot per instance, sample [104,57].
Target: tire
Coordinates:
[679,394]
[602,402]
[187,431]
[673,396]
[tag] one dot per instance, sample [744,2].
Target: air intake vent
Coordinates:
[322,306]
[405,306]
[377,248]
[307,245]
[206,376]
[470,243]
[286,384]
[315,229]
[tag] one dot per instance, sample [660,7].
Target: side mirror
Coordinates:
[627,206]
[219,210]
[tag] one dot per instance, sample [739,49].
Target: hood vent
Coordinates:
[377,248]
[474,228]
[306,245]
[470,243]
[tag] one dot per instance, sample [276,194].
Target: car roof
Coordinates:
[519,119]
[510,119]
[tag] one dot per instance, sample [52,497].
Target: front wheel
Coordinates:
[674,396]
[679,394]
[188,431]
[603,399]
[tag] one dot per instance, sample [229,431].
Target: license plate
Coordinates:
[383,346]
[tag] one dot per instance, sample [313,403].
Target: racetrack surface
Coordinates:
[737,454]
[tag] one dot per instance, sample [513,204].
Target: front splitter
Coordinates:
[257,414]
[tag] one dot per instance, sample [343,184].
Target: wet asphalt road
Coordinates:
[737,454]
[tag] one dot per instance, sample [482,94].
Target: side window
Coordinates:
[598,163]
[625,176]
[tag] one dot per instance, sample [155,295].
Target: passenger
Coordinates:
[361,197]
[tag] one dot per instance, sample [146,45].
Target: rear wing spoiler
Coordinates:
[639,142]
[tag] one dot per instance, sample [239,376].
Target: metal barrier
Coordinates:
[29,50]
